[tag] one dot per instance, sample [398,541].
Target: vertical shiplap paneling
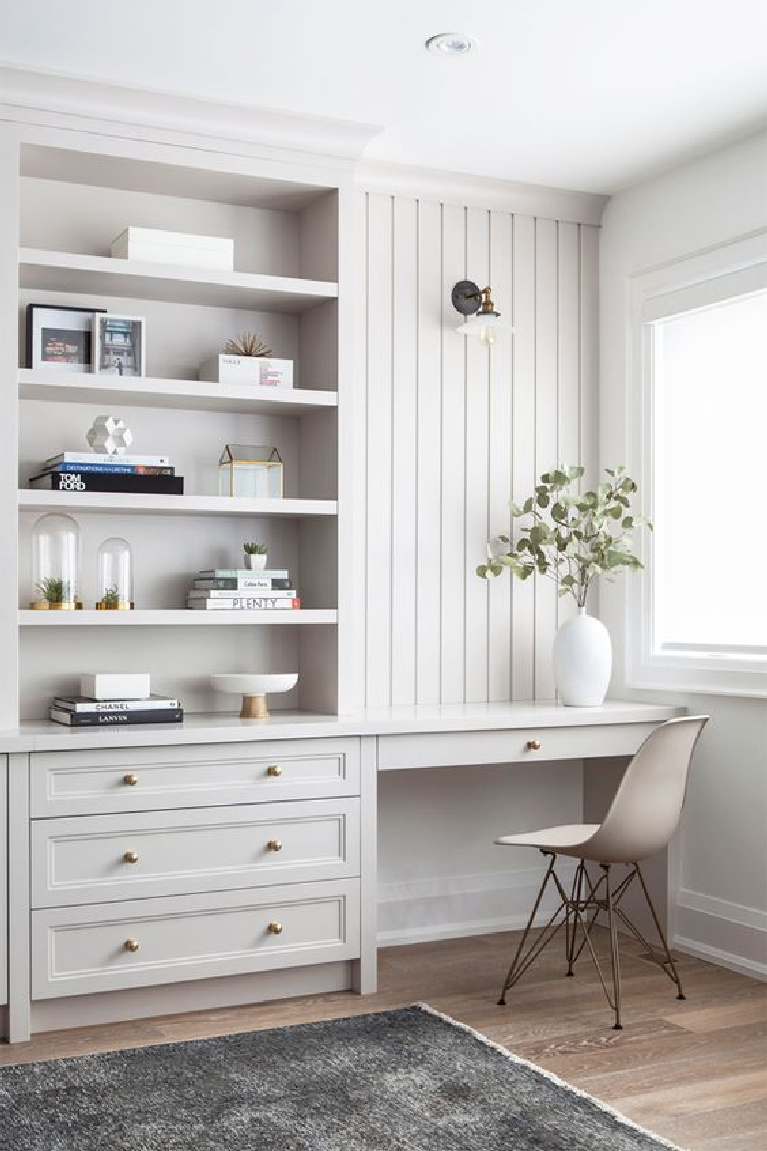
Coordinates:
[499,435]
[429,437]
[589,397]
[477,450]
[452,512]
[523,653]
[546,431]
[569,349]
[379,451]
[404,450]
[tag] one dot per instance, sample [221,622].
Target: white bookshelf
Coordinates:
[291,284]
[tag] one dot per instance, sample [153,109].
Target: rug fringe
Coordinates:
[514,1058]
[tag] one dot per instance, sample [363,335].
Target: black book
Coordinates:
[116,718]
[103,482]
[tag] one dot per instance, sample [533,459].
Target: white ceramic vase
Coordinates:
[583,661]
[256,561]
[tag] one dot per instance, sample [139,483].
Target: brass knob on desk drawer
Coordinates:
[131,945]
[274,770]
[274,929]
[533,745]
[130,780]
[274,845]
[130,857]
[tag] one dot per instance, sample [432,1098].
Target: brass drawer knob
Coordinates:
[274,770]
[274,929]
[130,857]
[131,945]
[130,780]
[533,745]
[274,845]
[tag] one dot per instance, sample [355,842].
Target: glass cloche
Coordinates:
[56,563]
[115,575]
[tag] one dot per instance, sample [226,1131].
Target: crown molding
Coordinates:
[27,94]
[480,191]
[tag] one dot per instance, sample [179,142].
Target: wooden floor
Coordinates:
[694,1072]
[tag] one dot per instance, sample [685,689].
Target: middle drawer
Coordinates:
[97,858]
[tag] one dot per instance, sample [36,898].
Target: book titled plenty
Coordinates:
[244,603]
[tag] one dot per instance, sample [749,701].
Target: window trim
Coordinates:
[686,284]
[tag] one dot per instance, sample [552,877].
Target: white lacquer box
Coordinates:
[156,246]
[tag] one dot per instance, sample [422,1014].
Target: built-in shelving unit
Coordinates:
[290,280]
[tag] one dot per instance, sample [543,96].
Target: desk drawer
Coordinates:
[456,749]
[106,857]
[81,950]
[156,778]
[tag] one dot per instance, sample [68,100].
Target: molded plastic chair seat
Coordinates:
[567,839]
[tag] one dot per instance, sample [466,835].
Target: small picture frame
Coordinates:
[119,345]
[60,339]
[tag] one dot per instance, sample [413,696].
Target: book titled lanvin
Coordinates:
[116,718]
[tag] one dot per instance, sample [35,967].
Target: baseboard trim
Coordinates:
[722,958]
[720,931]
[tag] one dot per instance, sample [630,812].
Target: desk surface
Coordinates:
[424,719]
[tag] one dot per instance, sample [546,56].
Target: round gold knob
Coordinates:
[131,945]
[130,780]
[274,770]
[274,929]
[274,845]
[130,857]
[533,745]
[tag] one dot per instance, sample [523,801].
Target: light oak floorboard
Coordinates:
[694,1072]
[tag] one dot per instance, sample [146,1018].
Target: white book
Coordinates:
[243,573]
[250,603]
[84,457]
[240,593]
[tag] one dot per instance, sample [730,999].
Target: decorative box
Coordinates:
[259,370]
[250,470]
[159,247]
[118,685]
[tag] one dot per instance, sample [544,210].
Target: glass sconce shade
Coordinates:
[253,471]
[115,575]
[56,563]
[485,327]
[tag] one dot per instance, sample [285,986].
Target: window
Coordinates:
[698,620]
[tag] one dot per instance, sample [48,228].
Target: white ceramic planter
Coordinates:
[256,562]
[583,660]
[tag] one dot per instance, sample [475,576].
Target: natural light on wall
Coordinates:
[710,506]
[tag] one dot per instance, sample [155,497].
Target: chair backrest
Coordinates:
[645,811]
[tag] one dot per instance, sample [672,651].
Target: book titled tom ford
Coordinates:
[109,482]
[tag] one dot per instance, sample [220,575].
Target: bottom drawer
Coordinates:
[108,947]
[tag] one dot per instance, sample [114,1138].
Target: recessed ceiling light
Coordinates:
[450,44]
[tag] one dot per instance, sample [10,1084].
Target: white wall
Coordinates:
[720,908]
[447,434]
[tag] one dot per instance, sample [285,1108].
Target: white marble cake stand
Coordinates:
[254,689]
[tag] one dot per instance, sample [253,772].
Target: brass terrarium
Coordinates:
[56,564]
[115,575]
[250,470]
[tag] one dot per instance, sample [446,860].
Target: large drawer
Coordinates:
[155,778]
[149,941]
[89,859]
[456,749]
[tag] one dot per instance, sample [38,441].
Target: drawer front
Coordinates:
[153,779]
[456,749]
[110,857]
[113,946]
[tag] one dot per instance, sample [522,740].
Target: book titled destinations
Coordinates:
[84,705]
[116,718]
[243,573]
[240,593]
[116,469]
[109,482]
[244,603]
[244,583]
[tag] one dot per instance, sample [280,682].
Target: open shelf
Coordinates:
[173,617]
[105,276]
[184,395]
[49,501]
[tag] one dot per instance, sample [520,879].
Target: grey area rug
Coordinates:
[408,1080]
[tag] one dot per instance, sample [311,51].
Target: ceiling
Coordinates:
[582,94]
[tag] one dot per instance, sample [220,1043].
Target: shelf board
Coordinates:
[105,276]
[186,395]
[165,617]
[31,499]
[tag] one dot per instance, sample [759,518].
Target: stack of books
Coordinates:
[94,472]
[228,589]
[82,711]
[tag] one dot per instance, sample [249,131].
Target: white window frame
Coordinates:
[687,284]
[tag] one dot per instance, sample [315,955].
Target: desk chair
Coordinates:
[642,818]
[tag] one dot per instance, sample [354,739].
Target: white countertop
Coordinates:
[42,735]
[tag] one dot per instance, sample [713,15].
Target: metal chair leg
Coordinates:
[661,934]
[512,970]
[614,954]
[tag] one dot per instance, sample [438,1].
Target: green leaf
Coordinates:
[516,510]
[543,500]
[627,522]
[527,507]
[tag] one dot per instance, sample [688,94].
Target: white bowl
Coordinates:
[258,683]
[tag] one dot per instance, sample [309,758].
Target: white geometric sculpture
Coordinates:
[109,435]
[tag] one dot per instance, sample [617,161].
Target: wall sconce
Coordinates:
[477,305]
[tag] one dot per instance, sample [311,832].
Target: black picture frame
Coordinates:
[86,332]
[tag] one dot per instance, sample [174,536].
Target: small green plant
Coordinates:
[110,598]
[54,590]
[255,549]
[572,537]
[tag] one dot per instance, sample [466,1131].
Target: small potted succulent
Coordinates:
[110,599]
[54,593]
[255,556]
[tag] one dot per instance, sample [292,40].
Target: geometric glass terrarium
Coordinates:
[250,470]
[56,563]
[115,576]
